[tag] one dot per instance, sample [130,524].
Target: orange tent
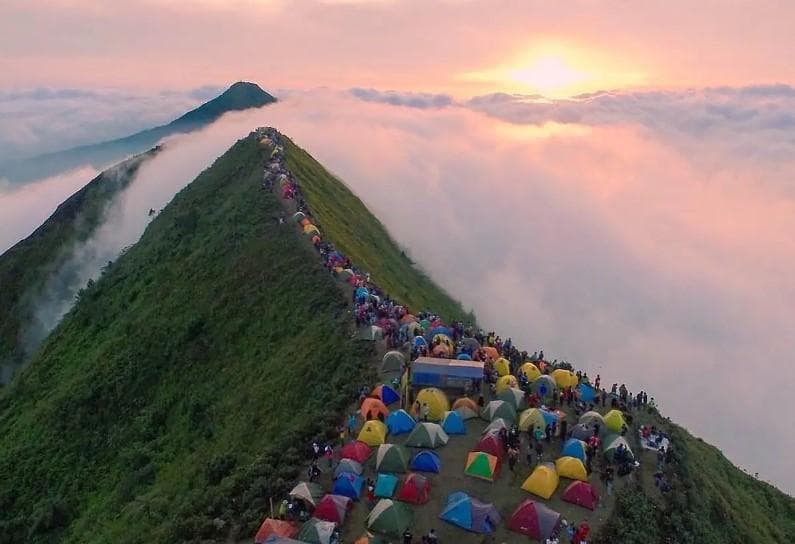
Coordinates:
[275,527]
[374,407]
[491,353]
[466,402]
[408,318]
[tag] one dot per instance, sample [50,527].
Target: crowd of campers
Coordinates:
[523,397]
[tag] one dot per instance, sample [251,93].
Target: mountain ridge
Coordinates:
[239,96]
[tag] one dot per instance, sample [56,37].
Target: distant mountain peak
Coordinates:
[239,96]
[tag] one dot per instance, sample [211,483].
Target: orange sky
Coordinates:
[462,47]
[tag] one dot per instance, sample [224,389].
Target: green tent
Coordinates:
[393,361]
[515,397]
[482,465]
[392,458]
[390,518]
[499,408]
[611,443]
[316,531]
[427,435]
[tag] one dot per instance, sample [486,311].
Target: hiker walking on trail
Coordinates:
[329,455]
[315,451]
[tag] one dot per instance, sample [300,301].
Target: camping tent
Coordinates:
[513,396]
[587,393]
[390,517]
[416,489]
[393,361]
[347,465]
[391,458]
[582,494]
[275,527]
[371,407]
[610,446]
[535,520]
[589,418]
[441,350]
[373,433]
[530,371]
[426,461]
[543,386]
[492,444]
[348,484]
[316,531]
[307,492]
[491,353]
[385,485]
[498,408]
[436,400]
[532,417]
[399,422]
[386,394]
[427,435]
[463,357]
[496,426]
[574,448]
[564,378]
[467,413]
[470,514]
[465,402]
[453,423]
[614,420]
[333,508]
[582,432]
[358,451]
[543,481]
[506,382]
[482,465]
[572,468]
[502,366]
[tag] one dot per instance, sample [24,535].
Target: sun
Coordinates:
[548,75]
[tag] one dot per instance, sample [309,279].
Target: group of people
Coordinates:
[373,307]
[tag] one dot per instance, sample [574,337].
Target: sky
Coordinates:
[613,184]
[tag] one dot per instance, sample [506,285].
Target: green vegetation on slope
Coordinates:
[186,382]
[711,502]
[344,219]
[25,268]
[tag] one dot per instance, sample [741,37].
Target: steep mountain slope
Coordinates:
[25,267]
[240,96]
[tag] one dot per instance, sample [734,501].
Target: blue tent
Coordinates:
[470,514]
[549,417]
[348,484]
[464,357]
[440,330]
[453,423]
[420,341]
[587,393]
[385,485]
[399,422]
[426,461]
[574,448]
[388,395]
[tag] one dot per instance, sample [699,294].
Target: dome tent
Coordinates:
[371,407]
[574,448]
[416,489]
[399,422]
[535,520]
[436,400]
[349,485]
[386,394]
[453,423]
[333,508]
[393,361]
[470,514]
[356,450]
[307,492]
[543,481]
[534,417]
[503,367]
[564,378]
[373,433]
[316,531]
[506,382]
[513,396]
[572,468]
[614,420]
[390,518]
[426,461]
[530,371]
[582,494]
[427,435]
[275,527]
[385,485]
[482,465]
[498,408]
[391,458]
[591,417]
[347,465]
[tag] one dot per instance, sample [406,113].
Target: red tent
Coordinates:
[535,520]
[275,527]
[581,494]
[333,508]
[491,444]
[416,489]
[358,451]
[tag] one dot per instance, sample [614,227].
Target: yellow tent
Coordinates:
[502,366]
[531,416]
[614,420]
[571,467]
[373,433]
[311,229]
[506,382]
[564,378]
[543,481]
[530,370]
[437,403]
[443,339]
